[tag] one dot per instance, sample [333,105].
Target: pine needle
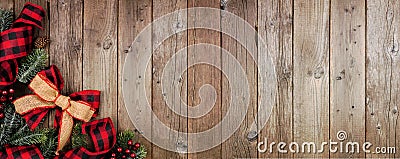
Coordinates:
[6,19]
[31,65]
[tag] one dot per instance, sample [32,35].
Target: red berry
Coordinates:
[113,155]
[123,156]
[137,145]
[127,151]
[119,149]
[135,149]
[11,91]
[130,142]
[4,93]
[1,115]
[133,155]
[3,99]
[10,98]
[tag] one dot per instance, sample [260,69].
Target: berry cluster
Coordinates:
[5,96]
[128,153]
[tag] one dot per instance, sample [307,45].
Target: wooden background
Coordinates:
[337,62]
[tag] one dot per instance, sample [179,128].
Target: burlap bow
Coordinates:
[47,96]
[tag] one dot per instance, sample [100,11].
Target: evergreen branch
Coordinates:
[31,65]
[48,148]
[123,137]
[78,139]
[6,19]
[141,152]
[12,121]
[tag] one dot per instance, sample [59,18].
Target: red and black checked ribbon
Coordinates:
[46,86]
[103,135]
[22,152]
[16,42]
[101,132]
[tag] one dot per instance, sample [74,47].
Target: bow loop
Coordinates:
[16,42]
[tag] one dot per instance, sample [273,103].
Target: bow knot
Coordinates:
[63,101]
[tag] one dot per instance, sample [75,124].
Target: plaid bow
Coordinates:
[22,152]
[16,42]
[103,135]
[46,85]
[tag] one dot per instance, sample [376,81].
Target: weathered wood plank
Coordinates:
[347,73]
[167,79]
[100,53]
[275,27]
[202,74]
[66,42]
[7,4]
[133,17]
[311,77]
[383,76]
[238,145]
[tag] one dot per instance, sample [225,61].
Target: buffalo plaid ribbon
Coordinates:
[46,86]
[22,152]
[16,41]
[103,136]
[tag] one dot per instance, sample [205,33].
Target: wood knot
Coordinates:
[319,72]
[107,44]
[252,135]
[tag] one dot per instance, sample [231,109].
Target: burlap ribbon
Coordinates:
[48,96]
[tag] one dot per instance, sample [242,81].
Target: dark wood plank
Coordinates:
[133,17]
[238,145]
[383,77]
[100,53]
[66,42]
[202,74]
[275,26]
[166,81]
[311,73]
[347,73]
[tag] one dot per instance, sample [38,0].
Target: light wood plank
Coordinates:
[100,53]
[7,4]
[167,79]
[199,75]
[383,77]
[347,75]
[311,73]
[133,17]
[238,145]
[275,22]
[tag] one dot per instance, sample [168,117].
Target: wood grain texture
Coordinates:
[100,53]
[275,22]
[347,73]
[202,74]
[66,42]
[238,145]
[383,77]
[133,17]
[7,4]
[311,73]
[166,80]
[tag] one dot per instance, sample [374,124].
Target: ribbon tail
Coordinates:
[66,125]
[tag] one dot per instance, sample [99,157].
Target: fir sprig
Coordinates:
[48,148]
[78,139]
[6,19]
[124,137]
[11,122]
[31,65]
